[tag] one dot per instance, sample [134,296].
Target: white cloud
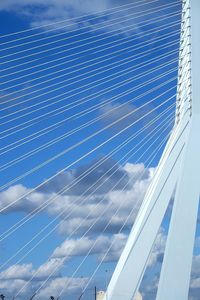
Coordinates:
[135,177]
[21,272]
[50,268]
[117,244]
[26,204]
[76,246]
[98,247]
[11,287]
[72,247]
[19,279]
[55,286]
[74,208]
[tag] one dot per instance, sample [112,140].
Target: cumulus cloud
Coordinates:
[94,211]
[57,285]
[101,190]
[11,287]
[98,247]
[99,209]
[22,277]
[25,280]
[53,287]
[99,176]
[25,204]
[23,272]
[26,271]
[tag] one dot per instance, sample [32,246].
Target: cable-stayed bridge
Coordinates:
[99,132]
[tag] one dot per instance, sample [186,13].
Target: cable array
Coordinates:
[107,225]
[128,155]
[90,96]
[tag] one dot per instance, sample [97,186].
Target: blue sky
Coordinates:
[99,60]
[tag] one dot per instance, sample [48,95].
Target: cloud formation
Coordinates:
[89,214]
[91,211]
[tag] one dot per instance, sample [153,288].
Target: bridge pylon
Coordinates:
[177,177]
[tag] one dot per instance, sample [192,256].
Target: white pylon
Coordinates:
[178,170]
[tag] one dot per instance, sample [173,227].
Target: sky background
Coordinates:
[62,88]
